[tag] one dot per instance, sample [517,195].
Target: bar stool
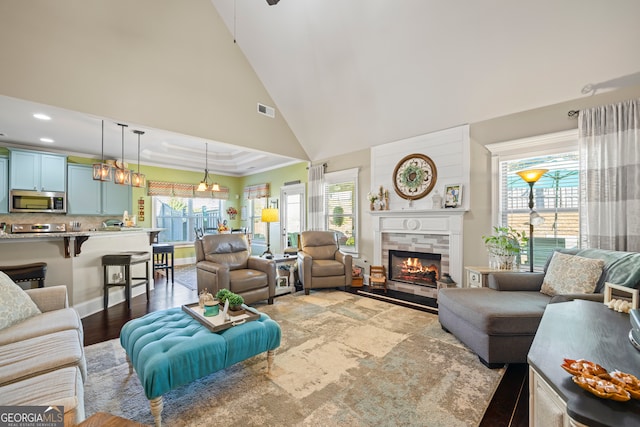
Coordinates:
[34,272]
[163,258]
[126,260]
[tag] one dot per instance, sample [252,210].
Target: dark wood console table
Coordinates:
[580,330]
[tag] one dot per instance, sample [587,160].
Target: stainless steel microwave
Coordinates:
[37,201]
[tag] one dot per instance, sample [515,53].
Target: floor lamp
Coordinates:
[532,176]
[269,215]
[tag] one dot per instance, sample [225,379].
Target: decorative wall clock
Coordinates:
[414,176]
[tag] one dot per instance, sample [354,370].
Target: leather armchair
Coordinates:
[320,262]
[224,261]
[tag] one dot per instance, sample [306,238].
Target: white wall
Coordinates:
[449,150]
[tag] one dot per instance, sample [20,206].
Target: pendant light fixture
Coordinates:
[138,179]
[123,175]
[102,171]
[204,184]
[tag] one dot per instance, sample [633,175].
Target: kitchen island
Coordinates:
[74,259]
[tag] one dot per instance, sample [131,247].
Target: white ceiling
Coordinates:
[81,134]
[348,75]
[353,74]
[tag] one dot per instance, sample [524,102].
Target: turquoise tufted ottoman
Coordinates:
[169,348]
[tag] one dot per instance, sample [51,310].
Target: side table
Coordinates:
[285,284]
[477,277]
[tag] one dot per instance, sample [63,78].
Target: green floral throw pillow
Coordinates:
[571,274]
[15,304]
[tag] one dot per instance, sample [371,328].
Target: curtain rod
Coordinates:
[573,113]
[324,165]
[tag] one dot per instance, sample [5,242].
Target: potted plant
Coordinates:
[372,200]
[235,302]
[222,295]
[504,246]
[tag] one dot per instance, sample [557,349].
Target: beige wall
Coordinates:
[477,222]
[160,63]
[541,121]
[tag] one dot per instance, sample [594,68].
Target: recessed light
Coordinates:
[49,140]
[41,116]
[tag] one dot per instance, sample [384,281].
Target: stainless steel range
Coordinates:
[39,228]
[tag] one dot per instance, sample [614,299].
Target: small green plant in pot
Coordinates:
[504,247]
[222,295]
[235,301]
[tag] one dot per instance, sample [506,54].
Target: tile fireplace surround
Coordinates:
[435,231]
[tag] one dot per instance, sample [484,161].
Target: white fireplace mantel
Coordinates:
[424,221]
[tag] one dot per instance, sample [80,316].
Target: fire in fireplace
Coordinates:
[417,268]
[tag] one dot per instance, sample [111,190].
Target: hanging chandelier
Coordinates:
[123,175]
[138,179]
[102,171]
[204,184]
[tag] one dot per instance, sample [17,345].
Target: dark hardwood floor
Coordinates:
[508,408]
[106,324]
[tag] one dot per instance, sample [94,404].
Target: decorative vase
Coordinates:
[436,199]
[372,205]
[502,261]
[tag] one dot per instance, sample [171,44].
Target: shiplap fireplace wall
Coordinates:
[418,225]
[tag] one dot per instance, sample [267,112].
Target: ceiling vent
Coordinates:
[266,110]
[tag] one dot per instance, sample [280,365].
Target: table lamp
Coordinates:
[269,215]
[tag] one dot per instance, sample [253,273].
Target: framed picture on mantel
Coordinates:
[452,195]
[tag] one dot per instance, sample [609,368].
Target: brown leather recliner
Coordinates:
[224,261]
[320,262]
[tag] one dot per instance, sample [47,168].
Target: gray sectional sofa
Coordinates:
[499,322]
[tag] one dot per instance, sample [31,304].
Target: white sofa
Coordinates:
[42,358]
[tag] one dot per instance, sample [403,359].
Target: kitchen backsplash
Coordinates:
[86,222]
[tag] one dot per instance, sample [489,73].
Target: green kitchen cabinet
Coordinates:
[34,170]
[4,185]
[88,197]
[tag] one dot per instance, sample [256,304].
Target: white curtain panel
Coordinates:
[316,197]
[609,139]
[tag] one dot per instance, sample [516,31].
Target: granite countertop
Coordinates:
[92,232]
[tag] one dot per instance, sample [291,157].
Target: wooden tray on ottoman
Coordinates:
[217,323]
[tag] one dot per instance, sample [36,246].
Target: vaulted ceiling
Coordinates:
[348,75]
[341,75]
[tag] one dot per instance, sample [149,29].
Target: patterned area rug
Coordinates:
[345,360]
[186,276]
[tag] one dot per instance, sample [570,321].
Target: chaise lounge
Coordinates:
[499,322]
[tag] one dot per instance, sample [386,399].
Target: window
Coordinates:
[181,215]
[340,207]
[555,195]
[555,198]
[258,228]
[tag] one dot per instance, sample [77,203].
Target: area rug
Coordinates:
[345,360]
[185,275]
